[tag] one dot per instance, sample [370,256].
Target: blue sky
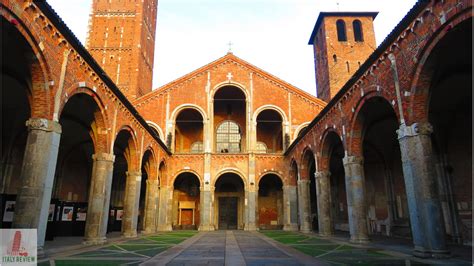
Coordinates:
[270,34]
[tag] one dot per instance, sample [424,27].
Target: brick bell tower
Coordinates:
[122,40]
[341,41]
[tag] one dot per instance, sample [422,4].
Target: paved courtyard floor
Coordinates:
[238,248]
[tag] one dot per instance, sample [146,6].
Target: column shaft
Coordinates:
[290,208]
[151,207]
[206,205]
[250,210]
[356,201]
[323,191]
[99,198]
[37,175]
[164,210]
[304,204]
[423,201]
[132,196]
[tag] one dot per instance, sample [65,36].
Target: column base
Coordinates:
[326,235]
[164,228]
[290,227]
[206,228]
[94,241]
[305,228]
[420,252]
[250,227]
[359,240]
[130,234]
[148,232]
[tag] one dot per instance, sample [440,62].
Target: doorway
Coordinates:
[228,213]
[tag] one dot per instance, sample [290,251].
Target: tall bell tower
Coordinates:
[341,41]
[122,40]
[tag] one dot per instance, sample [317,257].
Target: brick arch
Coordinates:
[229,84]
[185,106]
[324,146]
[304,162]
[162,173]
[420,84]
[101,117]
[356,125]
[230,170]
[157,128]
[131,152]
[152,164]
[270,107]
[270,173]
[300,128]
[183,171]
[39,96]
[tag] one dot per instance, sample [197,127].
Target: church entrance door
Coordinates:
[227,213]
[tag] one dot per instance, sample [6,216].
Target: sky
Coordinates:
[270,34]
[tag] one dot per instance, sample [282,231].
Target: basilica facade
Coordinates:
[88,148]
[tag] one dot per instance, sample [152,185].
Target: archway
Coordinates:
[269,132]
[331,161]
[148,202]
[448,71]
[230,122]
[186,196]
[229,202]
[189,132]
[270,202]
[16,81]
[387,206]
[308,171]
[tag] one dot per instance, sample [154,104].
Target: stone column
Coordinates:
[151,207]
[323,192]
[130,208]
[290,208]
[305,205]
[164,210]
[250,209]
[99,198]
[426,217]
[206,206]
[356,201]
[37,175]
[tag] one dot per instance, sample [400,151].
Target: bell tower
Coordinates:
[122,40]
[341,41]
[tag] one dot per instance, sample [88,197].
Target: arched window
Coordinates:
[197,147]
[358,35]
[261,147]
[341,30]
[228,137]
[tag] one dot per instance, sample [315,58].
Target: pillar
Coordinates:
[323,192]
[37,175]
[99,198]
[304,204]
[356,201]
[164,210]
[250,209]
[290,208]
[130,208]
[206,207]
[151,207]
[426,217]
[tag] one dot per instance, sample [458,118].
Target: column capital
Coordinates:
[153,182]
[103,157]
[304,181]
[44,125]
[134,173]
[348,159]
[415,129]
[322,174]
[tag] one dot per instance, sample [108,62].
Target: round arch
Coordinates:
[133,148]
[270,173]
[229,84]
[300,128]
[230,170]
[270,107]
[156,127]
[184,171]
[182,107]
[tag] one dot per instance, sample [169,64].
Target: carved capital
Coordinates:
[303,181]
[415,129]
[353,160]
[103,157]
[44,125]
[322,174]
[135,174]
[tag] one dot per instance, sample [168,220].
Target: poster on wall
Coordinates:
[119,215]
[112,213]
[67,213]
[51,212]
[81,214]
[9,211]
